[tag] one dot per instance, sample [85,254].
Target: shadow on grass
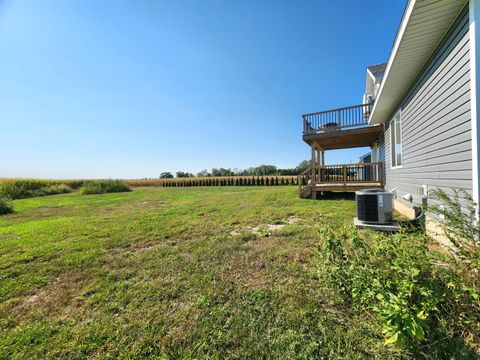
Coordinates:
[447,348]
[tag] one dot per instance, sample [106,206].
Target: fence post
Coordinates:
[345,175]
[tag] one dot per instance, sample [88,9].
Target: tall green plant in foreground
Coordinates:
[415,294]
[459,221]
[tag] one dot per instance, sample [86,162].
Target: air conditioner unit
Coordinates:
[374,206]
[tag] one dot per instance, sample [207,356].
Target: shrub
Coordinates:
[104,186]
[6,206]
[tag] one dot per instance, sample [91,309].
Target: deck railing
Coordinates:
[346,174]
[350,173]
[336,119]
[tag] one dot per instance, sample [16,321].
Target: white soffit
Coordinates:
[424,24]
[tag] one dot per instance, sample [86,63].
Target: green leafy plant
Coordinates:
[264,232]
[397,279]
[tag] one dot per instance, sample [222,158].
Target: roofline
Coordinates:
[371,75]
[398,37]
[422,23]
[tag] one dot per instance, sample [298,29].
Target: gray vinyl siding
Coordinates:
[436,123]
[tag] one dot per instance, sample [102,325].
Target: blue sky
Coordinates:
[128,89]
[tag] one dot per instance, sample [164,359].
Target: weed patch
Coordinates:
[104,186]
[398,281]
[22,189]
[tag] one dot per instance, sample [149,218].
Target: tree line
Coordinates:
[262,170]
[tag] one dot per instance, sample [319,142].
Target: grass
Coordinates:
[175,273]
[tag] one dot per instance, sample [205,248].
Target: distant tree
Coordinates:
[166,175]
[226,172]
[181,174]
[265,170]
[203,173]
[216,172]
[262,170]
[304,165]
[287,172]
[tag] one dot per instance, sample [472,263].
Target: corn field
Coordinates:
[217,181]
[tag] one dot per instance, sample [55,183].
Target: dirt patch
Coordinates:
[139,248]
[302,259]
[266,230]
[42,295]
[255,276]
[9,236]
[152,202]
[60,294]
[49,211]
[142,247]
[145,248]
[293,220]
[261,263]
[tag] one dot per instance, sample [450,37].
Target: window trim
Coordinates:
[399,114]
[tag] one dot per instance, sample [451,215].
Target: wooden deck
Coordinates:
[346,187]
[341,128]
[344,139]
[346,177]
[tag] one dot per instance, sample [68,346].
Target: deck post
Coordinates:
[374,152]
[314,163]
[322,164]
[345,175]
[380,173]
[318,164]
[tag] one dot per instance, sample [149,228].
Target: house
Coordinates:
[419,112]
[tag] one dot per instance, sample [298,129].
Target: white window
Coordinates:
[396,140]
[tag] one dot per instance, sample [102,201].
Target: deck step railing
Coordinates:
[336,119]
[304,180]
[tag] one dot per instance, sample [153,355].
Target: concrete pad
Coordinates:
[393,227]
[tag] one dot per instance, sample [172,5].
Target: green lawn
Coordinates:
[174,273]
